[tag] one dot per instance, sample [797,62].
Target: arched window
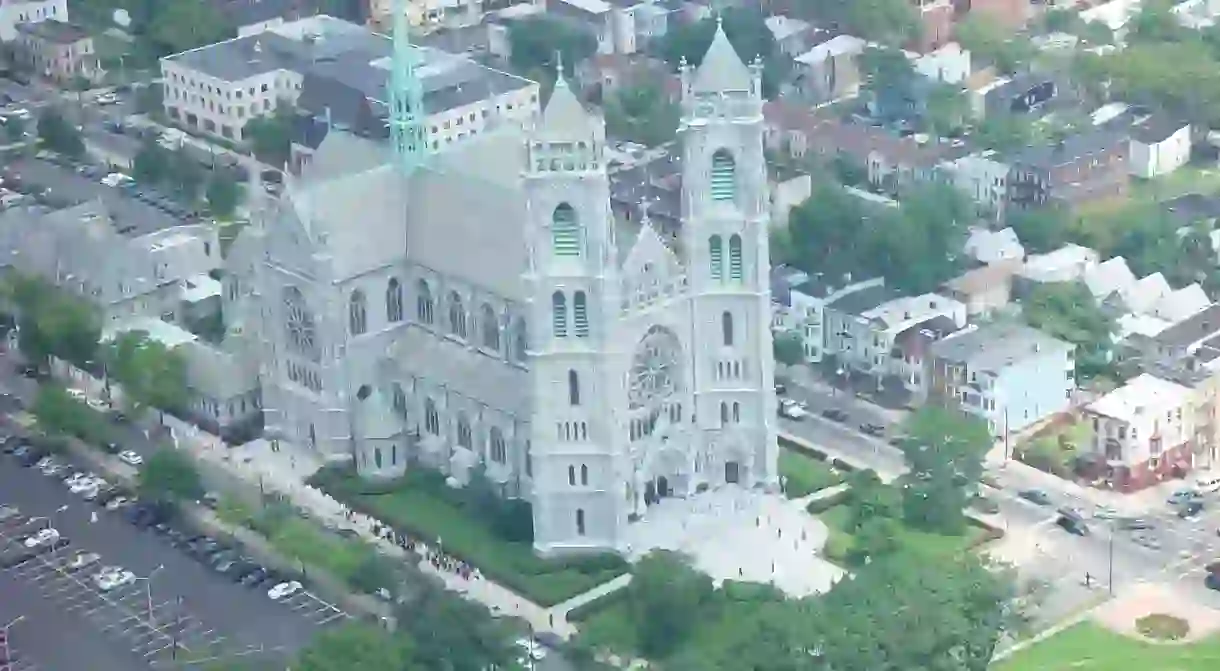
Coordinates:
[463,431]
[736,412]
[565,231]
[716,256]
[724,412]
[432,419]
[393,300]
[580,314]
[580,522]
[584,474]
[724,176]
[393,454]
[499,451]
[300,325]
[357,313]
[491,328]
[400,400]
[726,327]
[573,388]
[457,315]
[571,475]
[735,269]
[377,456]
[424,304]
[520,340]
[559,314]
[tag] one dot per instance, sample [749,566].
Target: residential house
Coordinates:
[1083,168]
[1159,145]
[57,50]
[792,36]
[1183,339]
[1009,375]
[987,246]
[609,73]
[16,12]
[934,21]
[809,300]
[983,179]
[620,26]
[1200,373]
[1020,94]
[830,71]
[1066,264]
[950,64]
[1112,283]
[912,354]
[984,290]
[1142,433]
[1113,14]
[862,327]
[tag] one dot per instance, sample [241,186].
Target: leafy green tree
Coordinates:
[169,475]
[788,348]
[1069,312]
[52,322]
[876,538]
[869,499]
[186,174]
[1003,132]
[355,647]
[151,374]
[149,99]
[222,195]
[642,114]
[270,136]
[184,24]
[992,43]
[449,633]
[1040,230]
[664,594]
[58,135]
[944,449]
[152,162]
[374,572]
[946,109]
[534,43]
[14,129]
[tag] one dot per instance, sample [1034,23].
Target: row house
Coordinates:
[1009,375]
[1080,169]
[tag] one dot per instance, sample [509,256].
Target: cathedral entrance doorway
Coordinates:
[655,490]
[732,472]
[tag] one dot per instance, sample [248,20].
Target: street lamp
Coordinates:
[4,646]
[148,591]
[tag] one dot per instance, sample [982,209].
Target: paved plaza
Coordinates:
[737,534]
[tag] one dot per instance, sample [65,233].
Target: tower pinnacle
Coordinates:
[406,95]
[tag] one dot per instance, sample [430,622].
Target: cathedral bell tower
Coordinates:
[573,285]
[725,238]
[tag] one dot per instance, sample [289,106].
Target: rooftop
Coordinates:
[994,347]
[1072,148]
[858,302]
[1156,128]
[1193,329]
[984,278]
[163,332]
[55,31]
[1145,396]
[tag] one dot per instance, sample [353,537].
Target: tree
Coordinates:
[374,572]
[356,646]
[946,109]
[222,195]
[150,99]
[270,136]
[535,41]
[184,24]
[876,538]
[665,593]
[14,129]
[1003,132]
[870,499]
[1069,312]
[1040,230]
[152,162]
[186,174]
[944,449]
[788,347]
[169,475]
[642,114]
[152,375]
[58,135]
[52,322]
[449,633]
[993,44]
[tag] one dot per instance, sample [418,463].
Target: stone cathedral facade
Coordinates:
[485,309]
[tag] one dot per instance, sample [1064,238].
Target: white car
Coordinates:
[107,99]
[82,560]
[531,649]
[44,537]
[77,395]
[8,513]
[112,578]
[284,590]
[85,484]
[792,410]
[75,478]
[117,502]
[130,458]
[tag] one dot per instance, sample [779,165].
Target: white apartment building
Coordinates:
[620,26]
[14,12]
[1142,432]
[326,66]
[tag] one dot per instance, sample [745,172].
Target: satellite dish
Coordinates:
[122,18]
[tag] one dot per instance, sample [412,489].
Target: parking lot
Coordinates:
[179,594]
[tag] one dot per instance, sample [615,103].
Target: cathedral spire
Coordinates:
[406,95]
[722,68]
[564,116]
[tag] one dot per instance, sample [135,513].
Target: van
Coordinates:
[1209,482]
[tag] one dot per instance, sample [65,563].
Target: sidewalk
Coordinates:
[887,467]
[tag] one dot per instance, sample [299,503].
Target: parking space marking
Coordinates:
[20,663]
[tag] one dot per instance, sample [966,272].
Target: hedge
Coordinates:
[819,506]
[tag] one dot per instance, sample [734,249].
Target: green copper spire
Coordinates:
[406,95]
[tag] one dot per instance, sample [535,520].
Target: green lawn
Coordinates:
[839,541]
[804,474]
[1089,647]
[302,540]
[414,507]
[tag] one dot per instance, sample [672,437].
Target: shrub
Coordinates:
[819,506]
[1161,627]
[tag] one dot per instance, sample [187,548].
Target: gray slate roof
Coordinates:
[995,347]
[465,371]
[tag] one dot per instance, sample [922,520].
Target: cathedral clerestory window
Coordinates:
[393,300]
[357,313]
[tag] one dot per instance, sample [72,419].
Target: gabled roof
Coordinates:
[565,118]
[722,68]
[990,246]
[1110,276]
[1180,304]
[994,347]
[1147,291]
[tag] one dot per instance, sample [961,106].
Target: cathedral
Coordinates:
[480,307]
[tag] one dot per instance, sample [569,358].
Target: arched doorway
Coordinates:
[732,472]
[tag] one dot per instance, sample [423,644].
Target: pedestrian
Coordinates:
[93,517]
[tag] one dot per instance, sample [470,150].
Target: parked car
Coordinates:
[82,560]
[112,578]
[1036,496]
[131,458]
[1073,525]
[873,429]
[790,409]
[42,537]
[1190,510]
[1183,496]
[834,415]
[284,590]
